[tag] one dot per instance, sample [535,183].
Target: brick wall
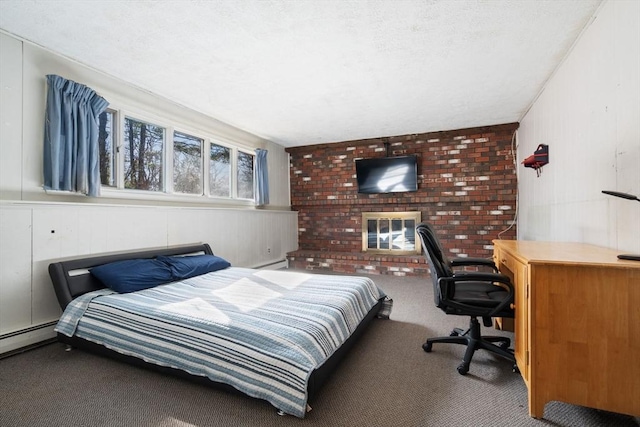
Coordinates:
[466,189]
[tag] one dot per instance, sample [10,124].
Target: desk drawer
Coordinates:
[505,260]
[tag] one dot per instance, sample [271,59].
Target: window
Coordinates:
[220,171]
[138,154]
[107,150]
[187,163]
[245,175]
[143,155]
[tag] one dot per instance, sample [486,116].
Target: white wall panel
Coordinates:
[588,115]
[10,117]
[136,227]
[56,235]
[278,161]
[44,304]
[223,233]
[55,232]
[93,229]
[15,268]
[243,237]
[189,226]
[627,32]
[213,226]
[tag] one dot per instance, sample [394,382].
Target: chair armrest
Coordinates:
[473,276]
[485,262]
[481,276]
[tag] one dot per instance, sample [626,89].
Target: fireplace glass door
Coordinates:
[390,232]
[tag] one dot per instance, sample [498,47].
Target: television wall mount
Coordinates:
[385,142]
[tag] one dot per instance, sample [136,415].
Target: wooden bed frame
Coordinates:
[71,279]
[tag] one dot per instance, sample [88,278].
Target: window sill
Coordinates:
[146,196]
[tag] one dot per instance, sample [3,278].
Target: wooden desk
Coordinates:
[577,323]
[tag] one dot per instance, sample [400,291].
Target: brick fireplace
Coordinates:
[466,189]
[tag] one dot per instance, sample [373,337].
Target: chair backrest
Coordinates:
[439,264]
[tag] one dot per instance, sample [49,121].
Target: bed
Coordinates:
[274,335]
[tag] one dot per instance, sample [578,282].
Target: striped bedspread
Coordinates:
[261,331]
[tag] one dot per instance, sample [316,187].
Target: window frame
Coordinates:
[115,129]
[202,161]
[253,175]
[168,194]
[222,143]
[166,152]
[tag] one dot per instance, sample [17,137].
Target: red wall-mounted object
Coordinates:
[539,158]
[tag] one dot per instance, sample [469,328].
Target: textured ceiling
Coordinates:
[308,72]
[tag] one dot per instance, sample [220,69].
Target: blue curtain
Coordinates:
[71,155]
[262,178]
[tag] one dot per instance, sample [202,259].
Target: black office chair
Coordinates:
[468,293]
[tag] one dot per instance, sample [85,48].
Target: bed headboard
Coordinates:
[71,278]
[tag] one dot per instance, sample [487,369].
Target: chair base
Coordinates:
[473,339]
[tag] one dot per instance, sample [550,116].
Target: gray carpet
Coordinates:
[387,380]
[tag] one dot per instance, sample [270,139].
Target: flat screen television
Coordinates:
[387,174]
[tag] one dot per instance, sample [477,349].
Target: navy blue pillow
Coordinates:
[183,267]
[133,274]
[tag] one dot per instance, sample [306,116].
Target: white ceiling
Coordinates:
[307,72]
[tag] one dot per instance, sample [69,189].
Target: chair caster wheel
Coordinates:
[454,334]
[427,347]
[516,370]
[504,345]
[462,370]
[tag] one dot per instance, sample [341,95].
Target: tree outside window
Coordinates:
[187,163]
[220,171]
[106,148]
[143,155]
[245,175]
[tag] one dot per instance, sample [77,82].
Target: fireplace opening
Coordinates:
[390,232]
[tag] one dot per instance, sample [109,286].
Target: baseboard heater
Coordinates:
[26,338]
[276,265]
